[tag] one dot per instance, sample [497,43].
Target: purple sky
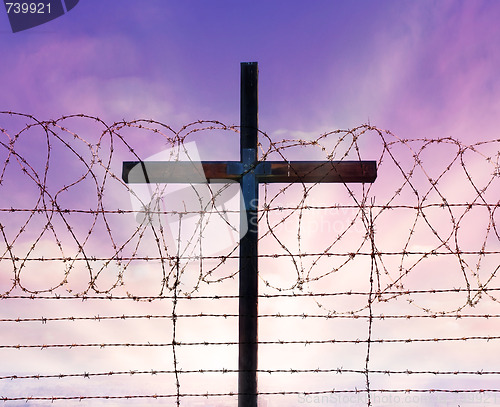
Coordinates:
[418,69]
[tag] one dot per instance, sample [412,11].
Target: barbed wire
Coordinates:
[88,375]
[231,394]
[425,233]
[84,298]
[261,342]
[100,318]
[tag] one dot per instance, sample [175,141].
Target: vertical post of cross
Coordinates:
[248,279]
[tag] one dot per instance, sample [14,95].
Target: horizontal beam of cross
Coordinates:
[187,172]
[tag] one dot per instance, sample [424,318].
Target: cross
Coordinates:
[249,172]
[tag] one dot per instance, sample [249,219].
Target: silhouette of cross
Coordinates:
[249,172]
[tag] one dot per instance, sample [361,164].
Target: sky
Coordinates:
[420,70]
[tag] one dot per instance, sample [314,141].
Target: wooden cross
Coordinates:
[249,172]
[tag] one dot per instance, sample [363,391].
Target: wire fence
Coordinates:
[125,294]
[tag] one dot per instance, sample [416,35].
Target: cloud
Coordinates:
[83,74]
